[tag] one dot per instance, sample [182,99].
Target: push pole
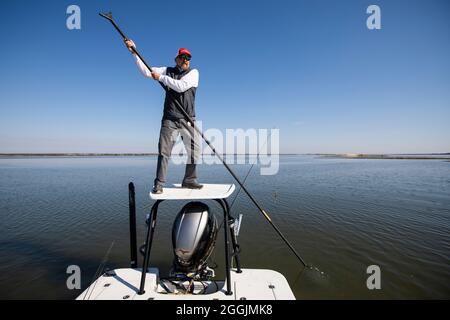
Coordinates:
[109,17]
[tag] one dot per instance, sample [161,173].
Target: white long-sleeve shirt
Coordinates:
[186,82]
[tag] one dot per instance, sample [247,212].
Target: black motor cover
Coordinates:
[194,233]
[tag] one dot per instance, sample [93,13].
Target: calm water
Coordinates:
[342,215]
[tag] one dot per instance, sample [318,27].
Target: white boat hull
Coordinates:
[250,284]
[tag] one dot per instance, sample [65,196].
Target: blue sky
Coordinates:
[310,68]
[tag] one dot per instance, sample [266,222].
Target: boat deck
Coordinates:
[250,284]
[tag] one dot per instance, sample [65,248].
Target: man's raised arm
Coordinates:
[144,70]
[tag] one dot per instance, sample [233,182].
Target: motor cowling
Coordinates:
[194,234]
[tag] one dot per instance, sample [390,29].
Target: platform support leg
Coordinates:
[227,252]
[236,248]
[226,228]
[132,210]
[148,244]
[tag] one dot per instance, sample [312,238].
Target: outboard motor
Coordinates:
[194,234]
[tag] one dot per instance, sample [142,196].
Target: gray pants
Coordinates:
[167,138]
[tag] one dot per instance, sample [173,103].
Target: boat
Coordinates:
[194,235]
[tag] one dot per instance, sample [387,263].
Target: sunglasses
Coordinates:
[185,57]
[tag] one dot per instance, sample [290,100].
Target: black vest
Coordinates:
[187,98]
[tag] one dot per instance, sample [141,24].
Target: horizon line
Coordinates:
[155,153]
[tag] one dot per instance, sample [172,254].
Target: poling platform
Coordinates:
[146,284]
[209,191]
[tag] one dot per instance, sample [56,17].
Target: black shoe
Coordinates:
[192,185]
[157,189]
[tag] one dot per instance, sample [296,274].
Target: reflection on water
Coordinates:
[341,215]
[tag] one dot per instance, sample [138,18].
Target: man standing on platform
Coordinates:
[182,82]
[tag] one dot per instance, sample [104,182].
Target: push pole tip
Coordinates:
[107,15]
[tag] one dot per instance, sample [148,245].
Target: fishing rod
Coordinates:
[249,170]
[109,17]
[245,178]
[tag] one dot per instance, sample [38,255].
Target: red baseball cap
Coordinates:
[184,51]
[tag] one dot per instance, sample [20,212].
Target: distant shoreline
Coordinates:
[74,154]
[423,156]
[11,155]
